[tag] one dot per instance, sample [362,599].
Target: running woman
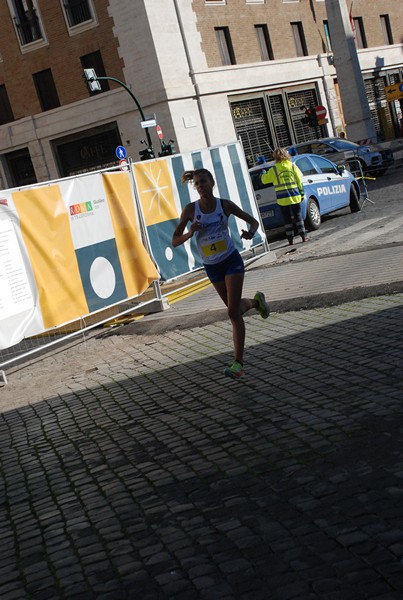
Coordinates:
[222,262]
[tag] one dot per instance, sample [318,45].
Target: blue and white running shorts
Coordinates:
[229,266]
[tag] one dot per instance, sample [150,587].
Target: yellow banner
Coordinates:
[156,192]
[45,228]
[137,267]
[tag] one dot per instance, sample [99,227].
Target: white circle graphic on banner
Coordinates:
[102,277]
[168,253]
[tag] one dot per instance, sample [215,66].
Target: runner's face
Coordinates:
[203,184]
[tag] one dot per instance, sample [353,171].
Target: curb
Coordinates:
[182,322]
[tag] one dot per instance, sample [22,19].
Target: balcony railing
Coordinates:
[77,11]
[29,29]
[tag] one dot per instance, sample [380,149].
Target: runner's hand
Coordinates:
[195,226]
[247,235]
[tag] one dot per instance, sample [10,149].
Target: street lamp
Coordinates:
[92,80]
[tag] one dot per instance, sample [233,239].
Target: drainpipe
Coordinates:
[191,73]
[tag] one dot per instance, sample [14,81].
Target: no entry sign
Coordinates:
[159,132]
[320,112]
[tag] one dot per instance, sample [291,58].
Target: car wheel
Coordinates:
[355,205]
[313,219]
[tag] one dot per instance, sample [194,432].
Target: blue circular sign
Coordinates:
[401,87]
[121,152]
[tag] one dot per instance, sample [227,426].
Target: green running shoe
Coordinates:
[235,371]
[263,306]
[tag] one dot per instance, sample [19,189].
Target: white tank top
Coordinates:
[213,240]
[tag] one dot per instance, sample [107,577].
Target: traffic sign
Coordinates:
[124,165]
[320,112]
[121,152]
[394,92]
[159,132]
[148,123]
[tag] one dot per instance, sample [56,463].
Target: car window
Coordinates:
[304,148]
[319,148]
[306,166]
[257,182]
[325,165]
[343,145]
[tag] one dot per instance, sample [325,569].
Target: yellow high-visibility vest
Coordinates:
[287,181]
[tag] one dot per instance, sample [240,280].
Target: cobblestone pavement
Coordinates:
[138,472]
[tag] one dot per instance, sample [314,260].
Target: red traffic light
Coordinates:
[310,118]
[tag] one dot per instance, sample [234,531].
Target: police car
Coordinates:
[328,187]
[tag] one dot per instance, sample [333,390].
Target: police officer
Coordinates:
[287,180]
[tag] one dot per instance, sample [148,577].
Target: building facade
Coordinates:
[210,71]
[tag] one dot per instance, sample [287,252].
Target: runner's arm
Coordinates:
[233,209]
[179,237]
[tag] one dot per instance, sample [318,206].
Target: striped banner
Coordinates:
[163,197]
[72,247]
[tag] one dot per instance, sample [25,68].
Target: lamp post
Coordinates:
[92,81]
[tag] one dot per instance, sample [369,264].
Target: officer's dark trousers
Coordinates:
[292,215]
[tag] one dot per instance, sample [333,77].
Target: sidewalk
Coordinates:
[294,285]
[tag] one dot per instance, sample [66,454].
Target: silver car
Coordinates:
[356,157]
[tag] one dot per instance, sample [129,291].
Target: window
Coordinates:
[6,113]
[360,39]
[225,45]
[386,30]
[26,21]
[324,165]
[46,89]
[89,150]
[327,36]
[304,148]
[263,38]
[299,38]
[21,169]
[94,61]
[78,11]
[319,148]
[306,166]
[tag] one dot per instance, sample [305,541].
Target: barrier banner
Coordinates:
[163,196]
[71,247]
[68,249]
[18,297]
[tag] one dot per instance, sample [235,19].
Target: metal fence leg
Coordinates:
[365,195]
[3,379]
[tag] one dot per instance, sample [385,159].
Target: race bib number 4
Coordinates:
[214,248]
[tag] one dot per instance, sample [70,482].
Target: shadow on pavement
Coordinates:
[178,484]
